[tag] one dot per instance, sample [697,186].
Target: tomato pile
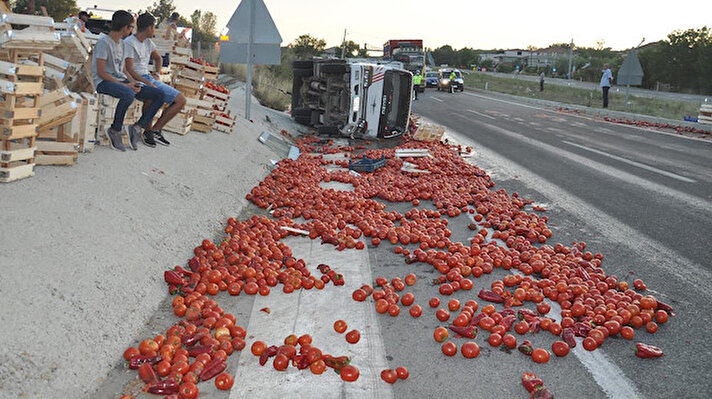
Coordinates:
[252,258]
[201,62]
[217,87]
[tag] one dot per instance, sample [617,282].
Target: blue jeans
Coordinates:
[126,97]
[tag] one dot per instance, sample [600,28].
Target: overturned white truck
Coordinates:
[355,99]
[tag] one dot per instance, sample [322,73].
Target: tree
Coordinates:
[204,26]
[57,9]
[467,56]
[306,46]
[445,55]
[162,9]
[351,49]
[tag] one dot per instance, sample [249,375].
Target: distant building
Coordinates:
[540,58]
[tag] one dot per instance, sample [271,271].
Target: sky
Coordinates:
[494,24]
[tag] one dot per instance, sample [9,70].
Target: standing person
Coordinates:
[107,67]
[453,76]
[541,81]
[606,80]
[83,17]
[139,50]
[417,80]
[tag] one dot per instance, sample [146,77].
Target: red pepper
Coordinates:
[182,271]
[507,322]
[665,307]
[531,382]
[467,332]
[338,280]
[269,352]
[582,329]
[568,335]
[490,296]
[174,278]
[137,361]
[172,396]
[198,349]
[147,374]
[542,394]
[507,312]
[166,387]
[476,320]
[534,325]
[194,264]
[215,367]
[191,339]
[581,272]
[526,347]
[524,312]
[337,363]
[645,351]
[301,362]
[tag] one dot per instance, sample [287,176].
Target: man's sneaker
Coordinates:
[134,134]
[116,139]
[159,138]
[147,138]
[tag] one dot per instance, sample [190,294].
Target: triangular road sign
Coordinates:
[265,30]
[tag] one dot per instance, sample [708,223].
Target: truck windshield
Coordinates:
[396,93]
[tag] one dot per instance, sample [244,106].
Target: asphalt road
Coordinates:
[641,198]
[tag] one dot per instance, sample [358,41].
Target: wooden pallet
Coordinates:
[56,153]
[87,116]
[57,108]
[17,159]
[705,115]
[200,127]
[223,128]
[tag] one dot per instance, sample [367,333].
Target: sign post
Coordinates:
[252,38]
[631,72]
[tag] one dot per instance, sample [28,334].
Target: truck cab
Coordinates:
[355,99]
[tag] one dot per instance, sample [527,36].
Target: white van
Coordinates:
[355,99]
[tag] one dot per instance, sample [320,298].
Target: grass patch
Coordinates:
[269,85]
[578,96]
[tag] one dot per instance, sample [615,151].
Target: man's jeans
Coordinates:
[605,96]
[126,97]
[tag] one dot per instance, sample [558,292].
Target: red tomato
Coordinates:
[188,390]
[416,310]
[470,350]
[540,355]
[349,373]
[340,326]
[281,362]
[560,348]
[408,299]
[401,371]
[449,348]
[441,334]
[509,341]
[434,302]
[495,339]
[442,314]
[589,344]
[353,336]
[224,381]
[389,376]
[453,305]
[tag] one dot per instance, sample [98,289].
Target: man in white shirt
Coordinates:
[140,49]
[606,80]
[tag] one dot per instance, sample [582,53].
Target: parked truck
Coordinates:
[355,99]
[409,52]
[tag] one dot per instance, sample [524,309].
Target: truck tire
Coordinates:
[336,69]
[302,72]
[303,64]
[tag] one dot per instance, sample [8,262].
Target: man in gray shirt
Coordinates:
[107,67]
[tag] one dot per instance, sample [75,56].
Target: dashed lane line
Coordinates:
[481,114]
[634,163]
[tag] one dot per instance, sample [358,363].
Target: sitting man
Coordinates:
[107,66]
[139,49]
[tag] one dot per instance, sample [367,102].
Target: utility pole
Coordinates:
[343,45]
[571,57]
[250,43]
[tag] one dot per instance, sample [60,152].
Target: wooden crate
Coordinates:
[57,108]
[429,132]
[17,159]
[201,127]
[57,153]
[181,124]
[224,122]
[87,116]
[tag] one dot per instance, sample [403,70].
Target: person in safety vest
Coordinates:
[453,76]
[417,80]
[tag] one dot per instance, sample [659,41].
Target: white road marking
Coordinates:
[657,188]
[314,312]
[436,99]
[666,258]
[481,114]
[634,163]
[587,117]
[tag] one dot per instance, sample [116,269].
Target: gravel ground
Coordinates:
[84,247]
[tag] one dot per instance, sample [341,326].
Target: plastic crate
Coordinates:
[367,164]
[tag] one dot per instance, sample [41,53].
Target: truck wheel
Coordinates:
[336,69]
[303,64]
[302,72]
